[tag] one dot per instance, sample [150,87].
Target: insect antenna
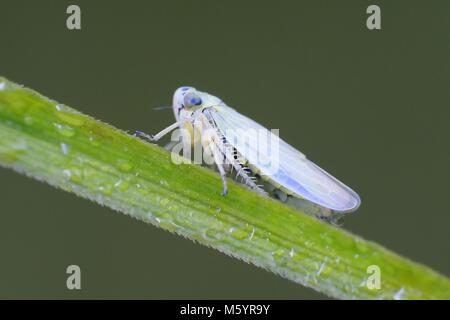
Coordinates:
[162,108]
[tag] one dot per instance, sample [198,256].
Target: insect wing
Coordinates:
[292,169]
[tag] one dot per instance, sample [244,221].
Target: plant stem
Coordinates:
[72,151]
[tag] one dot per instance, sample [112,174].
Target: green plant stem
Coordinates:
[72,151]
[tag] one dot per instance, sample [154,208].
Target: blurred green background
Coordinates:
[371,107]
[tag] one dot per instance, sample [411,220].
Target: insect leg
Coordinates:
[156,137]
[217,159]
[230,154]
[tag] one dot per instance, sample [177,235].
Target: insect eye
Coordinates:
[192,99]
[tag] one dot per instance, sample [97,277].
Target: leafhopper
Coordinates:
[261,160]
